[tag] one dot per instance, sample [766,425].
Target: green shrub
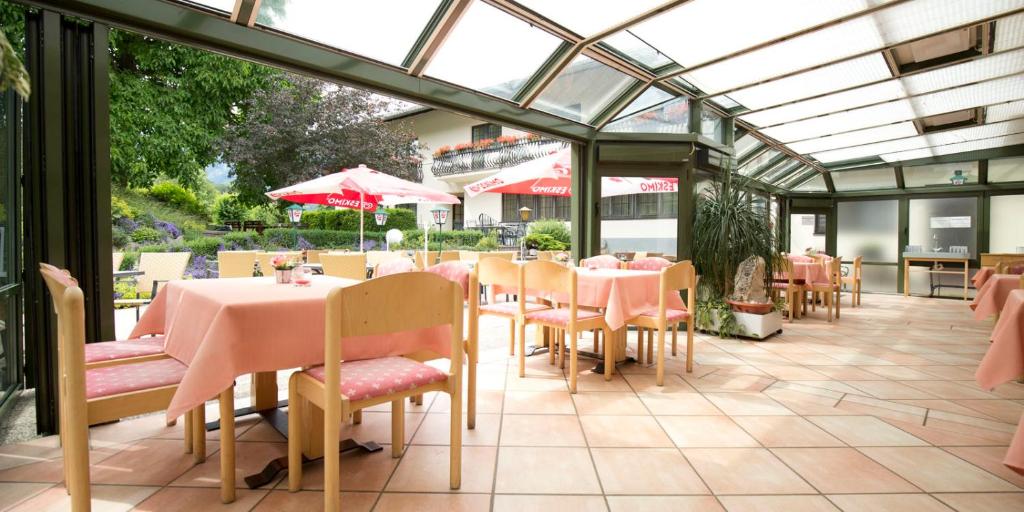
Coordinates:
[348,220]
[129,261]
[553,227]
[119,208]
[242,240]
[488,243]
[146,234]
[175,195]
[285,238]
[413,239]
[227,208]
[120,237]
[205,246]
[266,213]
[544,242]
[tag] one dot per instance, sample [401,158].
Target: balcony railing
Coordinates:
[495,157]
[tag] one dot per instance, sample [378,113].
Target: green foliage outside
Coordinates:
[177,196]
[544,242]
[554,228]
[440,240]
[348,220]
[488,243]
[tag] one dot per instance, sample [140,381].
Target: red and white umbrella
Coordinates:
[551,176]
[361,188]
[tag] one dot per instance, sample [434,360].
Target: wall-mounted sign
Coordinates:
[950,222]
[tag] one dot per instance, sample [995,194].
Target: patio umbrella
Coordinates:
[361,188]
[551,176]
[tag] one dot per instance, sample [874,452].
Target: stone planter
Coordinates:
[758,327]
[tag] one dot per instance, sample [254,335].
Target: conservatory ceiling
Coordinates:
[815,85]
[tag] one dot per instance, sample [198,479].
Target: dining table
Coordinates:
[1004,361]
[981,277]
[989,300]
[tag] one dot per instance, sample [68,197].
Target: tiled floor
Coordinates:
[877,412]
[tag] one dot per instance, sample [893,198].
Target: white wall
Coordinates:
[1006,232]
[435,129]
[652,235]
[801,237]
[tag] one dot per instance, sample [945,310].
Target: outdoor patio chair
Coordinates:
[313,255]
[374,258]
[674,278]
[424,260]
[504,276]
[157,268]
[386,268]
[854,280]
[446,256]
[648,263]
[381,306]
[1010,267]
[546,255]
[348,266]
[90,396]
[457,272]
[505,255]
[236,263]
[116,259]
[547,278]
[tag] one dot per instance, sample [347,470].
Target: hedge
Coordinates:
[413,239]
[348,220]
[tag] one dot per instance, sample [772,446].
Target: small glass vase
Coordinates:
[283,276]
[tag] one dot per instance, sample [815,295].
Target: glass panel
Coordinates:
[849,120]
[783,169]
[923,141]
[10,227]
[745,144]
[758,162]
[804,235]
[726,102]
[815,184]
[1005,233]
[870,179]
[939,174]
[840,75]
[796,176]
[854,138]
[879,278]
[583,89]
[711,126]
[221,5]
[1009,32]
[1006,169]
[587,17]
[930,220]
[949,149]
[636,49]
[464,60]
[1005,111]
[362,31]
[639,222]
[869,229]
[670,117]
[652,96]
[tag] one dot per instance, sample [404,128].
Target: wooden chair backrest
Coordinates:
[602,261]
[638,255]
[386,268]
[858,263]
[785,266]
[1009,267]
[678,276]
[348,266]
[375,258]
[471,256]
[313,255]
[835,270]
[265,257]
[546,255]
[548,276]
[391,304]
[162,267]
[57,282]
[449,256]
[505,255]
[648,263]
[424,260]
[236,263]
[116,259]
[498,271]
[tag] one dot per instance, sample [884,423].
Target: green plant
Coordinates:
[488,243]
[175,195]
[205,246]
[348,220]
[119,237]
[708,311]
[227,208]
[729,228]
[146,234]
[129,261]
[120,209]
[544,242]
[554,228]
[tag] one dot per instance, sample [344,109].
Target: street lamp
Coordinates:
[440,217]
[294,214]
[380,216]
[524,215]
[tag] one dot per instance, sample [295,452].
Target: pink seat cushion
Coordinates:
[125,378]
[671,315]
[652,263]
[454,271]
[394,267]
[371,378]
[781,286]
[124,349]
[602,261]
[560,316]
[510,308]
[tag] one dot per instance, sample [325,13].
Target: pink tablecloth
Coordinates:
[223,328]
[806,272]
[798,258]
[1004,362]
[981,277]
[990,298]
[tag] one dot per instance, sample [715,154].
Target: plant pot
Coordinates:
[754,308]
[753,326]
[283,276]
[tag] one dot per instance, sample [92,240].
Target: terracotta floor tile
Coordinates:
[989,502]
[250,458]
[135,464]
[706,432]
[952,390]
[898,372]
[376,426]
[434,502]
[934,470]
[307,501]
[546,471]
[52,470]
[521,502]
[624,432]
[538,402]
[941,436]
[105,498]
[536,382]
[785,432]
[11,493]
[684,404]
[1006,411]
[989,458]
[865,431]
[589,381]
[190,499]
[608,403]
[646,471]
[359,471]
[745,471]
[888,503]
[487,402]
[426,469]
[777,504]
[648,385]
[887,389]
[842,470]
[541,430]
[436,429]
[846,373]
[713,382]
[664,504]
[747,404]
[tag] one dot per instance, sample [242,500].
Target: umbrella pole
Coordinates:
[361,194]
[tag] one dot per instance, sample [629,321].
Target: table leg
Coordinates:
[264,390]
[906,277]
[966,273]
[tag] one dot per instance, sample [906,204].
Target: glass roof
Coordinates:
[587,17]
[669,117]
[583,89]
[635,49]
[815,184]
[650,97]
[220,5]
[869,179]
[757,163]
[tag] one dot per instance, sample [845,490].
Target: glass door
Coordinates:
[11,360]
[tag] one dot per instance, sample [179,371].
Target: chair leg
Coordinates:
[227,445]
[650,346]
[689,347]
[561,348]
[76,455]
[188,431]
[828,304]
[837,300]
[199,433]
[609,354]
[573,361]
[675,327]
[552,344]
[597,340]
[661,356]
[522,349]
[512,337]
[398,427]
[357,417]
[455,441]
[792,305]
[295,434]
[471,387]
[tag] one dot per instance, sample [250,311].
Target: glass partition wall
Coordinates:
[870,229]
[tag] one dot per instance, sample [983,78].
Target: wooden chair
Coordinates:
[458,272]
[469,256]
[447,256]
[651,263]
[505,255]
[1010,267]
[391,304]
[606,261]
[313,255]
[424,260]
[830,290]
[117,258]
[157,268]
[502,273]
[550,278]
[794,292]
[100,395]
[348,266]
[655,263]
[374,258]
[854,280]
[398,266]
[680,276]
[236,263]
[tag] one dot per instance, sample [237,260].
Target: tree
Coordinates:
[170,103]
[310,128]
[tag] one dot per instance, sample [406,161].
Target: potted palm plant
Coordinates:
[730,228]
